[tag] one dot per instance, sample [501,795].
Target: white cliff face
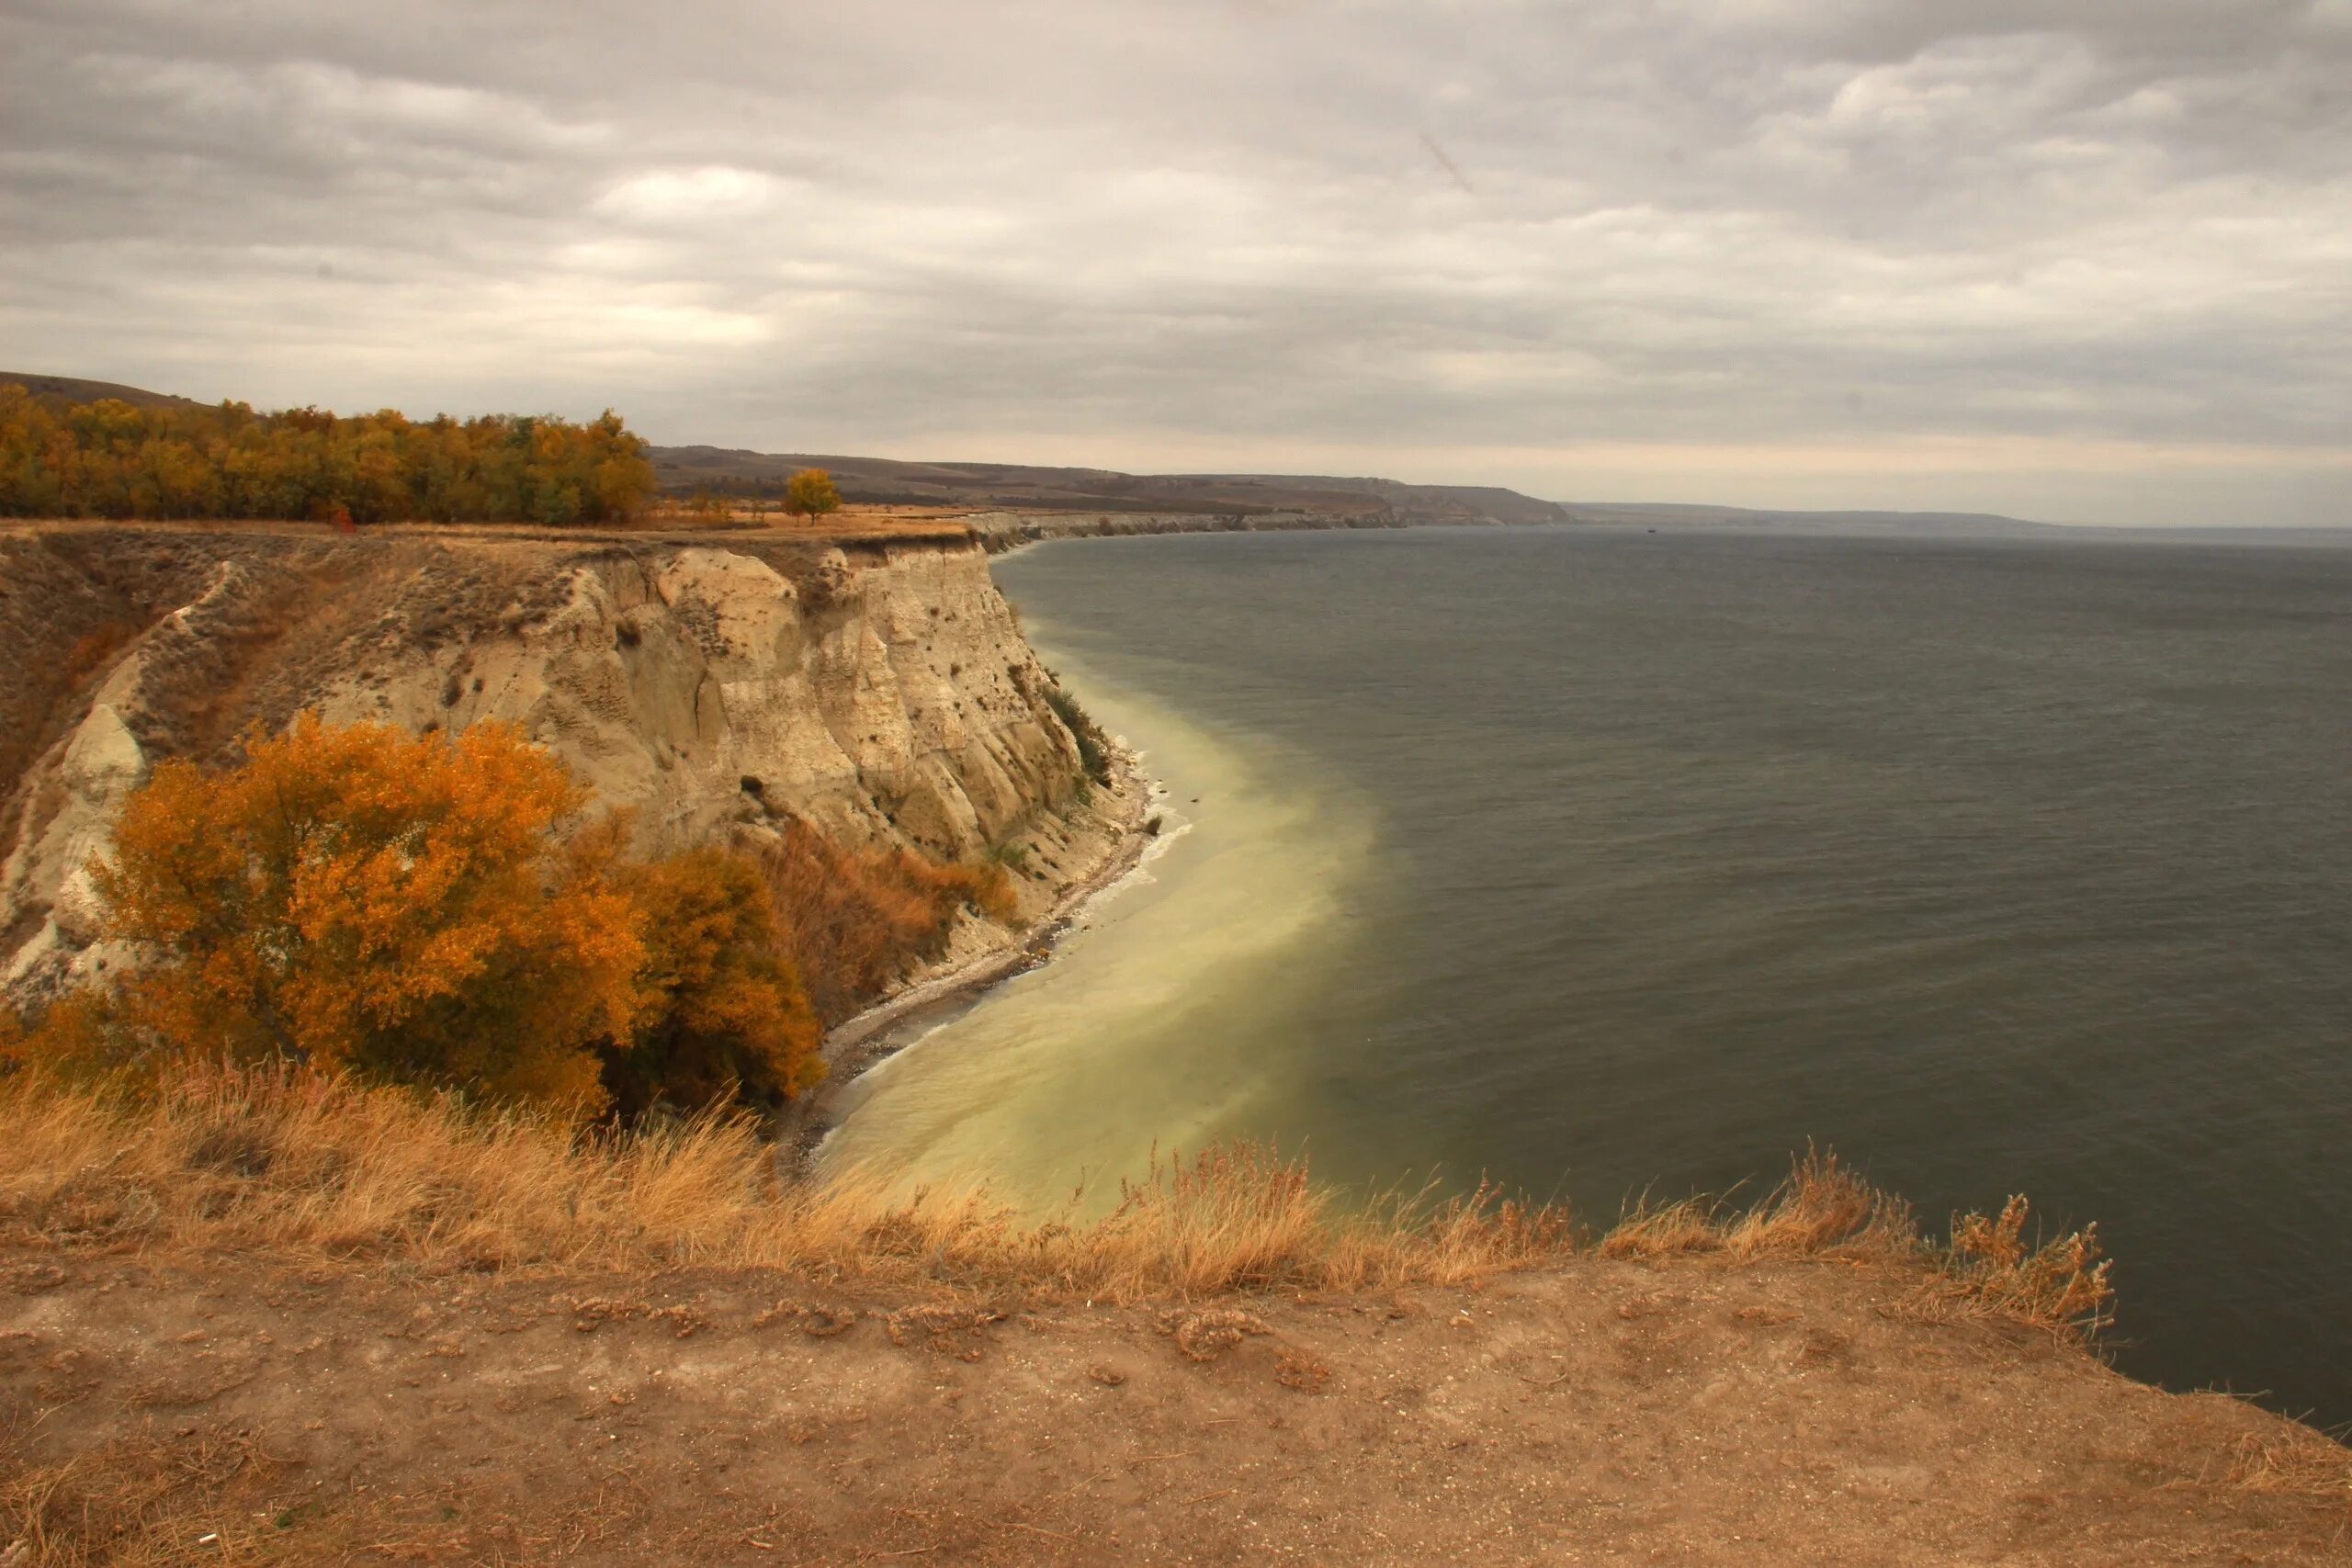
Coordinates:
[101,764]
[887,698]
[891,699]
[49,899]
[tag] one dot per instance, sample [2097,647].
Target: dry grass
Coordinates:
[142,1500]
[1987,1269]
[209,1496]
[304,1164]
[2285,1460]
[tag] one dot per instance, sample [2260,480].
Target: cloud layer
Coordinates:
[2078,258]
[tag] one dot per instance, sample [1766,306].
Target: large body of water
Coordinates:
[1601,861]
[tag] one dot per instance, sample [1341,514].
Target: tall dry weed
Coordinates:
[2060,1285]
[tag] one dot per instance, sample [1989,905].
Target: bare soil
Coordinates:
[1605,1411]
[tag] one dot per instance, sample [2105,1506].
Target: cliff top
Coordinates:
[1604,1411]
[294,1321]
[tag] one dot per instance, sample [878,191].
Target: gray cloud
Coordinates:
[2078,257]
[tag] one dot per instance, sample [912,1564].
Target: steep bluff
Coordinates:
[718,686]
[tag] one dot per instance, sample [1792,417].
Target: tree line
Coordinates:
[111,459]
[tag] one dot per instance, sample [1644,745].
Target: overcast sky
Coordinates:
[2075,259]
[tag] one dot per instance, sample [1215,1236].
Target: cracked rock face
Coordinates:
[704,688]
[886,697]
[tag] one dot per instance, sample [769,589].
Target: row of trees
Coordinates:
[111,459]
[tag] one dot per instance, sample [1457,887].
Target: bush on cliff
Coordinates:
[412,909]
[1093,745]
[850,923]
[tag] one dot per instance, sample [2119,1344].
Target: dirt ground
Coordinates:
[1682,1412]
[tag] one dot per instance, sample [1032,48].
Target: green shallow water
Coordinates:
[1154,1028]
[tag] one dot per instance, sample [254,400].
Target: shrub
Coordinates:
[850,923]
[362,898]
[409,909]
[1093,746]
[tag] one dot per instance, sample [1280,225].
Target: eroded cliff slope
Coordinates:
[722,685]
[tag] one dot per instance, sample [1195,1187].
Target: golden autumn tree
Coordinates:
[719,1012]
[811,493]
[397,906]
[431,909]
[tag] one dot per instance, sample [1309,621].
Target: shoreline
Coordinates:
[866,1038]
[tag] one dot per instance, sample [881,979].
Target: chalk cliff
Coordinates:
[717,685]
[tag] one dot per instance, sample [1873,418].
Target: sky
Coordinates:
[2079,260]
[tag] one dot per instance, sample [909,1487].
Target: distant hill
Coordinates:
[1285,500]
[73,389]
[1020,486]
[1659,514]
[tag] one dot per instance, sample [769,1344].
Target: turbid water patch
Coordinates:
[1161,1024]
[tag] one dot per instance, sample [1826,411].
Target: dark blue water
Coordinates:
[1997,865]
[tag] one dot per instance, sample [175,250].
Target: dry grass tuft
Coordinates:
[224,1158]
[2289,1460]
[1665,1230]
[1825,1207]
[1240,1217]
[2061,1286]
[1822,1207]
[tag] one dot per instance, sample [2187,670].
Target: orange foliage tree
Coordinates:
[363,898]
[719,1011]
[430,909]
